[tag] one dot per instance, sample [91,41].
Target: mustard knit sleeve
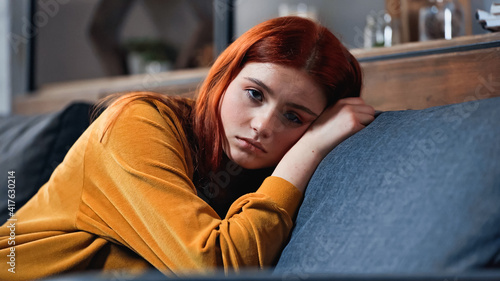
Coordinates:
[138,192]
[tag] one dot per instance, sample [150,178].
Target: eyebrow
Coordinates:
[301,107]
[290,104]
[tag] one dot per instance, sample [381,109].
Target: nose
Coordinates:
[263,123]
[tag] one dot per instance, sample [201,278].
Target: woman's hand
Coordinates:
[335,124]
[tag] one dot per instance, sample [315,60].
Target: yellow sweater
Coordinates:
[128,202]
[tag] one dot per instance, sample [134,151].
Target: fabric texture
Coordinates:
[414,192]
[128,202]
[33,146]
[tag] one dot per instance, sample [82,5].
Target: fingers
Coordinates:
[363,113]
[366,118]
[365,108]
[352,101]
[355,102]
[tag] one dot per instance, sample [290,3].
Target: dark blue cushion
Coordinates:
[415,191]
[33,146]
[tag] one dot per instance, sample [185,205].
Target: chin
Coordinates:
[249,162]
[253,165]
[248,165]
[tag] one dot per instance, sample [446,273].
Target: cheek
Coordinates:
[232,110]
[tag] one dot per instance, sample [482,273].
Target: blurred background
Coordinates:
[54,42]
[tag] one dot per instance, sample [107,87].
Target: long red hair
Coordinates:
[290,41]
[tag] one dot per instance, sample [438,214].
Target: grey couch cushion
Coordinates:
[415,191]
[33,146]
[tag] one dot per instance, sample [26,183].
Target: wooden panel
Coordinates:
[421,82]
[53,97]
[413,82]
[427,45]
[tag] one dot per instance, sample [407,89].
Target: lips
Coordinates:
[250,143]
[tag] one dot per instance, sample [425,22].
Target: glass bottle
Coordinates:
[369,32]
[441,19]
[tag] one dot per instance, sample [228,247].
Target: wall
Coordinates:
[63,52]
[346,18]
[63,49]
[5,101]
[15,30]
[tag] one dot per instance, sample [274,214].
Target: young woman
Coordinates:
[194,186]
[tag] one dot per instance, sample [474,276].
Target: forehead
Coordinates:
[285,82]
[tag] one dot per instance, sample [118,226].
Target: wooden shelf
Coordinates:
[415,47]
[407,76]
[421,75]
[53,97]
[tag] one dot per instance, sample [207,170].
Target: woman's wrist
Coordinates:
[298,164]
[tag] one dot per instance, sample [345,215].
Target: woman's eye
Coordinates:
[255,95]
[292,117]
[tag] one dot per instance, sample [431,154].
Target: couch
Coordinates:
[414,196]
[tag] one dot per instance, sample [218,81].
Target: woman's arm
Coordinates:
[334,125]
[138,192]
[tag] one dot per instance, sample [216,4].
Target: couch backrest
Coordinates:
[415,191]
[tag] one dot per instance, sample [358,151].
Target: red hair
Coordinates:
[289,41]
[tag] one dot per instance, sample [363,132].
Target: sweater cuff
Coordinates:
[282,192]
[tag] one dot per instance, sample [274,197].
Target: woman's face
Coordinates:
[265,110]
